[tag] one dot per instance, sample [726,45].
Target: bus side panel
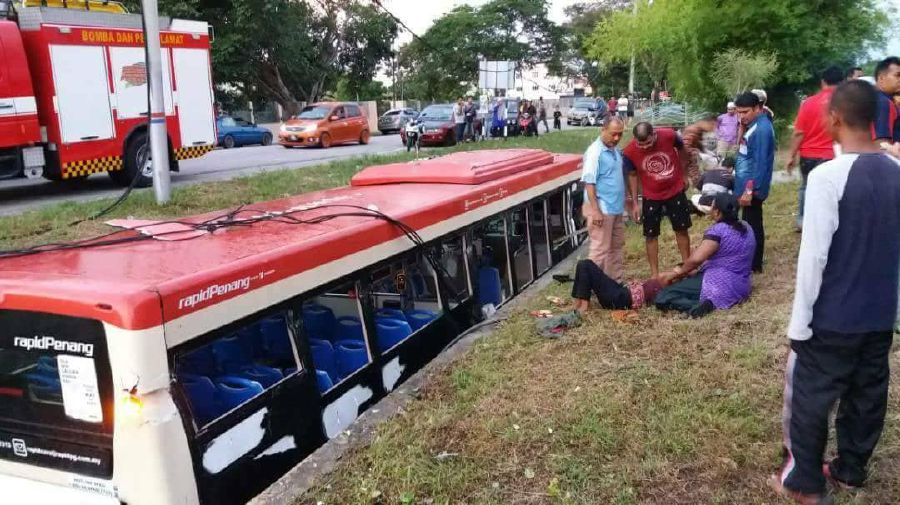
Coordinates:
[152,462]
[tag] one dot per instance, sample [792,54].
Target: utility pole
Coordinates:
[631,72]
[159,144]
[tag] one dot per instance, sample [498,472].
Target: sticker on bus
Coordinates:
[81,398]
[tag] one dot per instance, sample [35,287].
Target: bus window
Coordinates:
[236,367]
[333,325]
[520,249]
[453,261]
[556,219]
[576,202]
[490,270]
[537,230]
[404,294]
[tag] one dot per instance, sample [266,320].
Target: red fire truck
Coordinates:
[73,91]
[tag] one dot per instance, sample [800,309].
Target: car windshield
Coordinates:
[314,112]
[438,113]
[512,106]
[582,108]
[392,113]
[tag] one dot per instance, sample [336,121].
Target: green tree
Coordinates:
[443,62]
[288,50]
[736,70]
[684,35]
[605,77]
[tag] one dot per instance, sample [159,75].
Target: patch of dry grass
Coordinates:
[668,410]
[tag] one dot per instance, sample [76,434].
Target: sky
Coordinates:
[418,15]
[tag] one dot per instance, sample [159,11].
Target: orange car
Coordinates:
[325,124]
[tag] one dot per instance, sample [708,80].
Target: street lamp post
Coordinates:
[159,144]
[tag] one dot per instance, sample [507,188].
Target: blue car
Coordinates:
[235,132]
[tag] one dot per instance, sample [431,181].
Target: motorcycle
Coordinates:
[414,130]
[527,126]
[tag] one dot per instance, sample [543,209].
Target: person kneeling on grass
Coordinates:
[717,273]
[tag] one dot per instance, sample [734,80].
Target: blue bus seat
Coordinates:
[350,355]
[234,391]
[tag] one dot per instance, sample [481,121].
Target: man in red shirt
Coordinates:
[656,157]
[811,138]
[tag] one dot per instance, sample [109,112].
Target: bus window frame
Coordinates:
[524,208]
[223,422]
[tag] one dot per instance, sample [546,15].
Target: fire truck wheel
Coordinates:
[137,154]
[228,142]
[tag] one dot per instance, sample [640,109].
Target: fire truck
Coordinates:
[73,91]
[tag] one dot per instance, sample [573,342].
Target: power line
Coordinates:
[400,22]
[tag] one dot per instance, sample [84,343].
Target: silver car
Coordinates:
[394,120]
[579,115]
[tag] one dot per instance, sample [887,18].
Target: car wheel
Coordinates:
[228,142]
[325,141]
[136,164]
[267,139]
[364,137]
[450,139]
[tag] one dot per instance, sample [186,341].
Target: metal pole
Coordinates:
[631,72]
[159,144]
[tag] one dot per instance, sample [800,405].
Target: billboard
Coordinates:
[496,74]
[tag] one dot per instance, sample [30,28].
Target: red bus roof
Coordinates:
[123,284]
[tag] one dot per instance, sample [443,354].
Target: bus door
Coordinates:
[248,398]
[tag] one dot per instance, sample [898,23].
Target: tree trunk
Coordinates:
[270,81]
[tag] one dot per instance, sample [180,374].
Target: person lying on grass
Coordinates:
[717,273]
[715,276]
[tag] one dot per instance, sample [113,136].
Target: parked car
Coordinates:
[325,124]
[236,132]
[579,114]
[394,120]
[439,126]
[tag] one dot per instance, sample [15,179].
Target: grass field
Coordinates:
[666,411]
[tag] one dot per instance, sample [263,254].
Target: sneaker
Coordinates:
[835,482]
[774,482]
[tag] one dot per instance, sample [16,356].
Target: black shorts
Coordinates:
[677,208]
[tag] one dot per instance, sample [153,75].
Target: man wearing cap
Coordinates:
[727,132]
[604,198]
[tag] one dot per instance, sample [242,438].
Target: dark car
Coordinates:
[439,126]
[394,120]
[512,117]
[235,132]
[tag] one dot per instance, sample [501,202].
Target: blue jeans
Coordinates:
[806,166]
[460,131]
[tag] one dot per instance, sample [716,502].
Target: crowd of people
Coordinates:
[846,143]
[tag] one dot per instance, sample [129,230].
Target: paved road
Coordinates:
[20,195]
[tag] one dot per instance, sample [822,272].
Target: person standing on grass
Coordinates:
[542,115]
[470,110]
[656,157]
[845,307]
[727,131]
[811,138]
[459,119]
[604,198]
[753,168]
[886,129]
[622,107]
